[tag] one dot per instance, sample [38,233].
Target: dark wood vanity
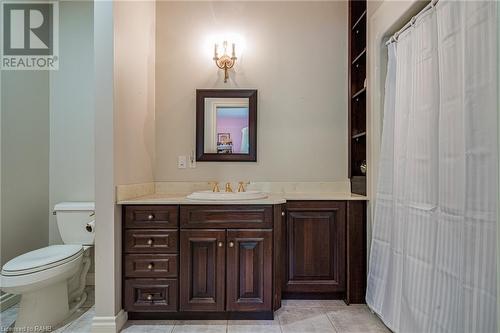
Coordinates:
[238,261]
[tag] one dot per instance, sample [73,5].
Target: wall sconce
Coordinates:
[225,61]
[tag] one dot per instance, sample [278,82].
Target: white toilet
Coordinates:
[51,280]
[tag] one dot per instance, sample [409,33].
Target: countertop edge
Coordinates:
[273,199]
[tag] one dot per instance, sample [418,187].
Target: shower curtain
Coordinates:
[433,250]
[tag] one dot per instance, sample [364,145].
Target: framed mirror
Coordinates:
[226,125]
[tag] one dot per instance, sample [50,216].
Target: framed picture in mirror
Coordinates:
[226,125]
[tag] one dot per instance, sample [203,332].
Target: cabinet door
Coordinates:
[249,270]
[316,248]
[202,272]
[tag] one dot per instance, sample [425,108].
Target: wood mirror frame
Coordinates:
[251,94]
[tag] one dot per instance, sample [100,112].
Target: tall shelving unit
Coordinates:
[357,96]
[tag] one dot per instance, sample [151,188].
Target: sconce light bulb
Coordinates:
[225,47]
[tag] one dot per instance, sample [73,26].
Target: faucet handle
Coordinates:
[215,186]
[241,186]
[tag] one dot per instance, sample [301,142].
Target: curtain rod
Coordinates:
[394,38]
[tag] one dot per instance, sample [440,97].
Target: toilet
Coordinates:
[51,280]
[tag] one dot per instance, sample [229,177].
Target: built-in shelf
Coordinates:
[359,135]
[359,56]
[359,92]
[359,20]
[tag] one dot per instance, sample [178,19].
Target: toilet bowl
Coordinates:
[51,280]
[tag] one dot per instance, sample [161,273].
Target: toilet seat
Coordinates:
[42,259]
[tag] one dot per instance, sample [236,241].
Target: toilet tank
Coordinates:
[75,221]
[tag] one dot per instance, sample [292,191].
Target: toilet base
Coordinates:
[44,308]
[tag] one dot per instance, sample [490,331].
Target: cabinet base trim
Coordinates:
[313,295]
[265,315]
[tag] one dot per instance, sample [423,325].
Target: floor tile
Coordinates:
[355,319]
[303,303]
[332,302]
[200,326]
[83,323]
[253,326]
[305,320]
[144,326]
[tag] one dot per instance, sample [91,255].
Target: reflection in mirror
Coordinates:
[226,125]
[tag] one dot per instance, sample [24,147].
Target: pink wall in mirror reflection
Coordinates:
[234,126]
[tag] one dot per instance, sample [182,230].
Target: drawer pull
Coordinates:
[220,244]
[150,297]
[150,241]
[282,213]
[150,266]
[231,244]
[150,217]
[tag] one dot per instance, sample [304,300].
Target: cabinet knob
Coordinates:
[231,244]
[150,266]
[150,241]
[357,65]
[150,297]
[151,216]
[357,32]
[282,213]
[220,244]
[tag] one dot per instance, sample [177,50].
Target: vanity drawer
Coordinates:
[151,265]
[226,216]
[150,295]
[151,216]
[147,241]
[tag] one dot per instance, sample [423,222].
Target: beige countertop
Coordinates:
[272,199]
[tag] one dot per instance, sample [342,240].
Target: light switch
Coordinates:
[181,162]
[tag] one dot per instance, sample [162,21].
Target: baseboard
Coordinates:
[109,324]
[90,279]
[8,300]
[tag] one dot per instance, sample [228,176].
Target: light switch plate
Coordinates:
[181,162]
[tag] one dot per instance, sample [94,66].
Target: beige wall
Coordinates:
[25,162]
[124,83]
[134,95]
[296,56]
[72,111]
[107,242]
[498,138]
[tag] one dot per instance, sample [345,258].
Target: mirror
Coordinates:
[226,125]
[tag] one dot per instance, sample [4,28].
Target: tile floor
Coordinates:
[296,316]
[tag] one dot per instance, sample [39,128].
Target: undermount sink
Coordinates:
[226,196]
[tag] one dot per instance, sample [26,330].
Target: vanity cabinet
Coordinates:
[150,258]
[226,270]
[249,270]
[325,250]
[316,247]
[238,261]
[202,261]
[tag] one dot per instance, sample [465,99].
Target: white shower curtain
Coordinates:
[433,253]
